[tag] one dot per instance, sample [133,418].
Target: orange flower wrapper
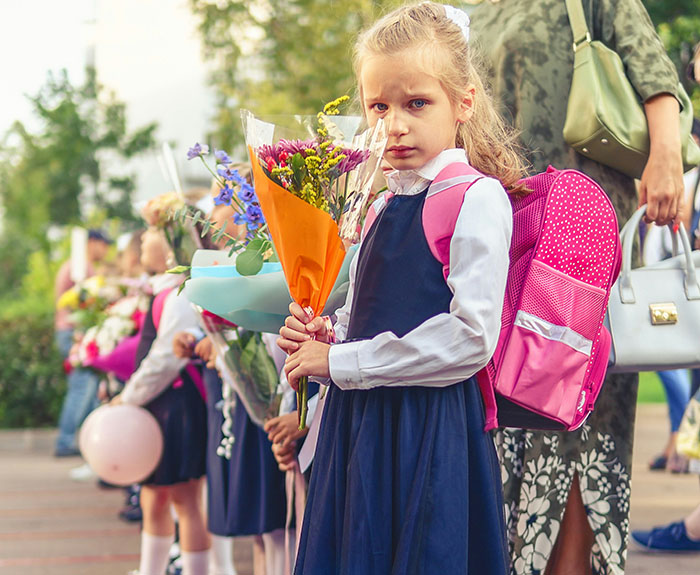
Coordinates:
[306,240]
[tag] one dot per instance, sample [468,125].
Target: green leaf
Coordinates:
[179,270]
[256,245]
[274,257]
[196,218]
[219,233]
[182,286]
[299,169]
[205,228]
[249,263]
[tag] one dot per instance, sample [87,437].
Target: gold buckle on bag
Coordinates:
[663,313]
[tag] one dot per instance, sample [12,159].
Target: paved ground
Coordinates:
[50,525]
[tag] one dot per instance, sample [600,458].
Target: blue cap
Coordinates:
[95,234]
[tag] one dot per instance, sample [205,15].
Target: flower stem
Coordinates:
[303,401]
[221,183]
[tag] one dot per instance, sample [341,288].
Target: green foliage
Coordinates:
[678,24]
[61,174]
[32,384]
[301,62]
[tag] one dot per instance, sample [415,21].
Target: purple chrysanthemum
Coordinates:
[353,158]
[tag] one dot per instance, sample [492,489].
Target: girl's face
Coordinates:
[421,119]
[154,252]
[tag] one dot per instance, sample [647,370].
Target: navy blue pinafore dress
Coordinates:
[246,492]
[182,416]
[405,481]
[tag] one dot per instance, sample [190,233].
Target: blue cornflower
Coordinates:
[224,197]
[254,214]
[222,157]
[246,193]
[230,175]
[197,150]
[239,219]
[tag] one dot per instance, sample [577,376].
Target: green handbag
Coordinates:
[605,119]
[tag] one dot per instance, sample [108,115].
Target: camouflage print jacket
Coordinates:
[527,48]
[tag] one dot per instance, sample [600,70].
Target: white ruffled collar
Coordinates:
[412,182]
[162,282]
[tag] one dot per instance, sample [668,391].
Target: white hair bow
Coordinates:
[459,17]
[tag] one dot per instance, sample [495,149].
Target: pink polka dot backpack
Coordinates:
[565,255]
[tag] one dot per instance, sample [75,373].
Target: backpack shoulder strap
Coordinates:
[158,304]
[442,205]
[374,210]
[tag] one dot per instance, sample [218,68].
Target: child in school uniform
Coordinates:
[245,489]
[163,386]
[405,480]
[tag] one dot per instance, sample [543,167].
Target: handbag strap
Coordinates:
[627,235]
[577,19]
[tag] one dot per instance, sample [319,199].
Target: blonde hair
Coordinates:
[490,144]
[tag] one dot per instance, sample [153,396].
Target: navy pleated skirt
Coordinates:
[182,416]
[404,482]
[246,493]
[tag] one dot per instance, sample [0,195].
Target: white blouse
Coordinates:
[449,347]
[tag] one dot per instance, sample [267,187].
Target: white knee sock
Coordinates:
[221,555]
[154,553]
[274,552]
[195,562]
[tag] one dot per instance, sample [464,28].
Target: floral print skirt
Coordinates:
[538,470]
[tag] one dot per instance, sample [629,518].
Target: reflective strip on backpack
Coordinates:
[554,332]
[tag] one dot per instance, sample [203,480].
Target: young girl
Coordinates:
[181,413]
[405,480]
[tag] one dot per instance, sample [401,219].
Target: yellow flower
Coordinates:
[69,299]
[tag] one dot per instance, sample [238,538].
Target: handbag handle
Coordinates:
[627,235]
[577,20]
[674,236]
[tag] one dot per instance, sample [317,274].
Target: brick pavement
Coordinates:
[50,525]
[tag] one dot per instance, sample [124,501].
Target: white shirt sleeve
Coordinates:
[342,315]
[160,367]
[449,347]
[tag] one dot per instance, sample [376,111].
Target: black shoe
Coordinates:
[131,514]
[66,452]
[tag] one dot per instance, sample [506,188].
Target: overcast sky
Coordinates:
[37,36]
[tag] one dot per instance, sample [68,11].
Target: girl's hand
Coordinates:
[284,429]
[183,345]
[310,359]
[299,327]
[286,456]
[205,350]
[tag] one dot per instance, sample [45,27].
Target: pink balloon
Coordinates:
[122,443]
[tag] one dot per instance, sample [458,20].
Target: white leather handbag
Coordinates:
[654,311]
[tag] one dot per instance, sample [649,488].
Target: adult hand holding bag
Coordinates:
[654,312]
[605,120]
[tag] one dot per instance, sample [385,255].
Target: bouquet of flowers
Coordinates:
[111,345]
[313,192]
[88,300]
[250,373]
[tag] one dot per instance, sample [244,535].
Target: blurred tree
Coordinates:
[678,23]
[282,56]
[70,168]
[279,57]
